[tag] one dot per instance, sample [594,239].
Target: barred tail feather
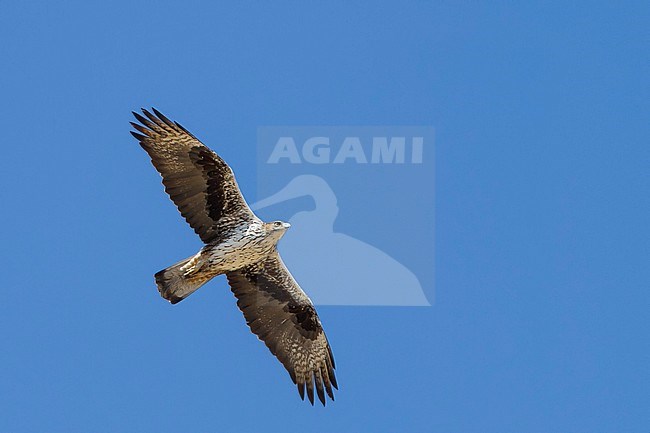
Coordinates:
[174,286]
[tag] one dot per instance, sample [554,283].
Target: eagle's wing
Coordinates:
[283,317]
[197,180]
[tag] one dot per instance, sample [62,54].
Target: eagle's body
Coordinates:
[239,245]
[243,245]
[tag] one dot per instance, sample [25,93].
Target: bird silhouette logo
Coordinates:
[339,269]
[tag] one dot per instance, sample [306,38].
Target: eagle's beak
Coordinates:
[286,225]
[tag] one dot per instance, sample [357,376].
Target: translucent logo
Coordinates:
[360,201]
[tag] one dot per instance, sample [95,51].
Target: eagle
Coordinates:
[239,245]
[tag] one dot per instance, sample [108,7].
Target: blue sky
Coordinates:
[540,320]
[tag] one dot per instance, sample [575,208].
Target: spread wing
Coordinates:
[197,180]
[283,317]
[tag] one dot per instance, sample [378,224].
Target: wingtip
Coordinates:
[141,119]
[333,380]
[310,394]
[163,117]
[137,136]
[148,114]
[174,300]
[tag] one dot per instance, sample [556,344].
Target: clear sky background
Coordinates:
[540,320]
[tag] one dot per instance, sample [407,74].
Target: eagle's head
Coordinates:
[276,229]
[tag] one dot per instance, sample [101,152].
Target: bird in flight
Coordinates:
[239,245]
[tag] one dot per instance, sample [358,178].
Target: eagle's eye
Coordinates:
[277,224]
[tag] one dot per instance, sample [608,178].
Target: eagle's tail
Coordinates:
[174,285]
